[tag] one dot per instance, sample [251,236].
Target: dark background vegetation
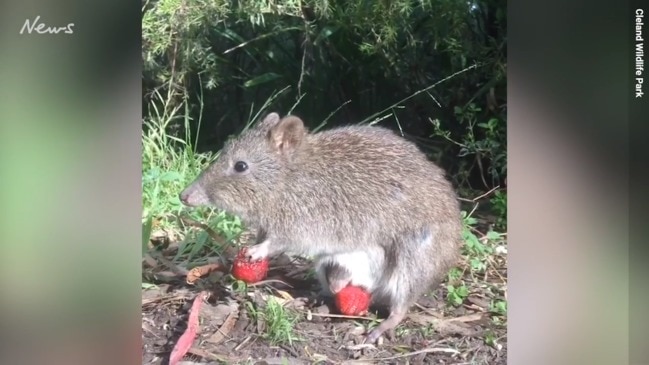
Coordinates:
[433,70]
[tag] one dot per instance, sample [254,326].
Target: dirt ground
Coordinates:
[230,331]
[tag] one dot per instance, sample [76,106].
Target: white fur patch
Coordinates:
[260,251]
[357,263]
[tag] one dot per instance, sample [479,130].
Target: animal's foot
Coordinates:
[373,336]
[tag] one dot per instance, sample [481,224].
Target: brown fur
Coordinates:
[352,189]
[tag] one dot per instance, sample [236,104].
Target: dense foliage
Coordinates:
[433,69]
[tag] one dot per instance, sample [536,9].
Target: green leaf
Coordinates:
[493,235]
[152,174]
[170,176]
[490,339]
[267,77]
[499,307]
[463,291]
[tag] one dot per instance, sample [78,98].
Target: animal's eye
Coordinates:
[240,166]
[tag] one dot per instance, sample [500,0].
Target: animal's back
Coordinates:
[375,170]
[359,185]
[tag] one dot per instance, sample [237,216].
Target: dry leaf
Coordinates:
[196,273]
[225,329]
[219,313]
[284,295]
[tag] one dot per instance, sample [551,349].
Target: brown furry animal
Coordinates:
[360,199]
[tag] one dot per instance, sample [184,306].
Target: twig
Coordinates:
[473,210]
[170,265]
[478,160]
[340,316]
[478,233]
[423,351]
[303,65]
[428,310]
[377,120]
[487,193]
[492,264]
[270,281]
[479,197]
[215,236]
[239,346]
[260,37]
[416,93]
[324,122]
[360,346]
[208,355]
[163,299]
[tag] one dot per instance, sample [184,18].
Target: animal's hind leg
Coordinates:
[397,314]
[400,288]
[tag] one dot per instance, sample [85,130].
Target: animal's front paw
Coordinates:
[258,252]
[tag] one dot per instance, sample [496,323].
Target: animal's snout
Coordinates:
[184,196]
[194,195]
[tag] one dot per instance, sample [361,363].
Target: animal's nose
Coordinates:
[193,196]
[183,197]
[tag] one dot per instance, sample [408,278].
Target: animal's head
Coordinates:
[249,169]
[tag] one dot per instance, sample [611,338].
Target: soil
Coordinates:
[230,332]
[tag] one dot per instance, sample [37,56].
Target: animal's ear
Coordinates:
[287,135]
[269,121]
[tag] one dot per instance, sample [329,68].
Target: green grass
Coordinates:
[480,273]
[279,322]
[481,258]
[169,164]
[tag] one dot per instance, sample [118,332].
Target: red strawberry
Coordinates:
[353,300]
[249,271]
